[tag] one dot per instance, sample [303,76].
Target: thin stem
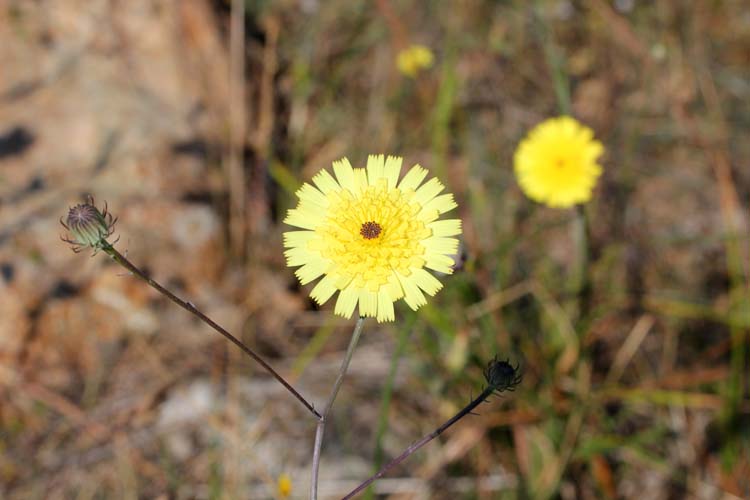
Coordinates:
[582,241]
[429,437]
[322,420]
[556,62]
[124,262]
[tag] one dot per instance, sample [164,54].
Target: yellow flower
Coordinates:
[556,163]
[284,486]
[371,237]
[413,59]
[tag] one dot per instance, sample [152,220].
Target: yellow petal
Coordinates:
[347,301]
[375,168]
[439,262]
[360,179]
[393,288]
[368,303]
[412,295]
[298,238]
[413,178]
[392,170]
[428,191]
[299,256]
[426,281]
[324,290]
[344,173]
[326,182]
[311,270]
[303,218]
[442,245]
[446,227]
[309,194]
[442,203]
[342,281]
[385,307]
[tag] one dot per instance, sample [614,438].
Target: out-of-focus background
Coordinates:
[197,120]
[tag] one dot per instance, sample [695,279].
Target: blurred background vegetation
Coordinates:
[197,134]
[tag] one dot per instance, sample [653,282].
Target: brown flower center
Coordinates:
[370,230]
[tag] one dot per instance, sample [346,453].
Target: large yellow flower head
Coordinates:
[556,163]
[371,237]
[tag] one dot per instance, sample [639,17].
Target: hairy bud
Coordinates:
[502,376]
[88,226]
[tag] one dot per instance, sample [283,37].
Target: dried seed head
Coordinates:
[502,375]
[88,226]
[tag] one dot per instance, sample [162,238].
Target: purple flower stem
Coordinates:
[429,437]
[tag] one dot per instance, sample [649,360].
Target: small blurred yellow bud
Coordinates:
[284,486]
[413,59]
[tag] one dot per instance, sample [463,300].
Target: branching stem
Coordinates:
[124,262]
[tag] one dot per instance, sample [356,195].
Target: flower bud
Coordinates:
[88,226]
[502,376]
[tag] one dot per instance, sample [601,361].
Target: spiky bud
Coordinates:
[502,376]
[88,226]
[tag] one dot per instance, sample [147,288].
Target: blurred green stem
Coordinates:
[443,114]
[385,402]
[581,231]
[737,387]
[556,62]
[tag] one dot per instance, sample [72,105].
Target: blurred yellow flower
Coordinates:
[371,237]
[284,486]
[413,59]
[556,164]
